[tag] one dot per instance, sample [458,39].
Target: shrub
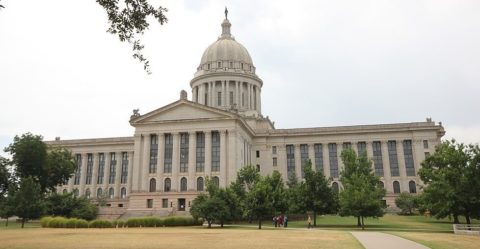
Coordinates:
[120,223]
[58,222]
[45,220]
[71,223]
[134,222]
[100,224]
[81,223]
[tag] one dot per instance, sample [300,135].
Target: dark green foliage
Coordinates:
[128,20]
[407,203]
[27,200]
[158,222]
[278,193]
[56,222]
[100,224]
[258,202]
[5,177]
[361,196]
[45,220]
[68,205]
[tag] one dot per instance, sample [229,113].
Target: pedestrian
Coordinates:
[309,222]
[285,221]
[274,221]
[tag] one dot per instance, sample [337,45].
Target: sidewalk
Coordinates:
[377,240]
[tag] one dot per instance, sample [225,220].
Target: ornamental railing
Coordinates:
[466,229]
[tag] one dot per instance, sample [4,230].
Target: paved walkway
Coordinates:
[377,240]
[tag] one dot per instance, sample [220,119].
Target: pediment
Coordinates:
[182,110]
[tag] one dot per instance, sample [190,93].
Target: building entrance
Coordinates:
[181,204]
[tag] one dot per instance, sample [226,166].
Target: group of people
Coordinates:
[280,221]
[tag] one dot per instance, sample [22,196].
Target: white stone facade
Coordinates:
[163,166]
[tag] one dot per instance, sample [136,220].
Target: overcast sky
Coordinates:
[323,63]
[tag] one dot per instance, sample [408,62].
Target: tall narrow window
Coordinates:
[274,150]
[183,184]
[254,98]
[200,162]
[153,154]
[168,185]
[78,169]
[215,151]
[153,185]
[231,64]
[88,178]
[346,146]
[76,193]
[425,144]
[290,159]
[183,152]
[87,193]
[99,193]
[393,158]
[111,193]
[101,168]
[219,98]
[362,148]
[335,187]
[274,161]
[303,157]
[408,153]
[318,157]
[200,184]
[219,64]
[333,159]
[124,173]
[167,167]
[231,98]
[377,158]
[123,193]
[396,187]
[412,187]
[243,99]
[216,181]
[113,166]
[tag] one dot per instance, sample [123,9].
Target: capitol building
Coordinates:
[162,167]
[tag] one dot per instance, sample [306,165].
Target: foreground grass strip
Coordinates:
[441,240]
[173,238]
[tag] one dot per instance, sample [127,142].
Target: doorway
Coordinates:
[181,204]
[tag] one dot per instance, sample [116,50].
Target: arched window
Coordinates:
[200,184]
[65,191]
[87,193]
[412,187]
[75,192]
[183,184]
[216,181]
[168,184]
[396,187]
[110,193]
[99,192]
[335,187]
[123,192]
[153,185]
[381,184]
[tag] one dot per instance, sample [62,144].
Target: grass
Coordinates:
[173,238]
[442,241]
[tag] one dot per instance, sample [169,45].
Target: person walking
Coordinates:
[309,222]
[285,221]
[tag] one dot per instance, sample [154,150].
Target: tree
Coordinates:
[128,20]
[258,201]
[4,176]
[47,166]
[452,177]
[6,183]
[68,205]
[28,200]
[278,193]
[208,207]
[406,202]
[246,178]
[319,196]
[361,196]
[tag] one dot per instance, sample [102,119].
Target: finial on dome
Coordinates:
[226,26]
[226,12]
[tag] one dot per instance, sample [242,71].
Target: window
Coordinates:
[167,166]
[208,66]
[231,64]
[76,193]
[231,98]
[120,205]
[333,159]
[274,161]
[258,167]
[200,184]
[219,98]
[153,185]
[407,151]
[153,154]
[111,193]
[396,187]
[216,181]
[303,157]
[164,203]
[78,161]
[427,154]
[183,184]
[381,184]
[123,193]
[124,173]
[101,168]
[425,144]
[113,165]
[412,187]
[346,145]
[377,158]
[200,162]
[167,185]
[99,193]
[274,150]
[88,178]
[149,203]
[87,193]
[362,148]
[64,192]
[215,151]
[242,66]
[258,154]
[318,157]
[243,99]
[219,64]
[206,99]
[184,152]
[393,158]
[290,159]
[335,187]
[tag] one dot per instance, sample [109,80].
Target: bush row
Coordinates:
[61,222]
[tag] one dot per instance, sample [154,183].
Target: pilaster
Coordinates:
[208,153]
[192,149]
[175,161]
[223,158]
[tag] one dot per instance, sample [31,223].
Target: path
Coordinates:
[377,240]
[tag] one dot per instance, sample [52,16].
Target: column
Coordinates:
[137,174]
[231,157]
[106,175]
[224,97]
[83,174]
[144,164]
[175,161]
[223,158]
[70,183]
[93,190]
[386,162]
[210,94]
[401,166]
[249,98]
[311,155]
[242,97]
[298,162]
[282,161]
[227,93]
[237,94]
[130,172]
[326,160]
[259,104]
[160,156]
[208,153]
[192,151]
[118,174]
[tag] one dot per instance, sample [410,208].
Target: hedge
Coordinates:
[100,224]
[61,222]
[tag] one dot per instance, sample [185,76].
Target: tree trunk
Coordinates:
[359,224]
[209,224]
[314,218]
[259,223]
[23,222]
[221,224]
[363,224]
[455,219]
[6,223]
[467,217]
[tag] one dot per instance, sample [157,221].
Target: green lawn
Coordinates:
[442,240]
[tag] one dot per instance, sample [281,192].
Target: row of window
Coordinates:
[110,194]
[412,187]
[232,98]
[229,65]
[167,184]
[101,169]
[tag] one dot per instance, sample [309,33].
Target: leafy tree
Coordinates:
[406,202]
[4,176]
[68,205]
[452,177]
[361,196]
[47,166]
[319,196]
[128,20]
[278,194]
[28,200]
[246,178]
[209,208]
[258,202]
